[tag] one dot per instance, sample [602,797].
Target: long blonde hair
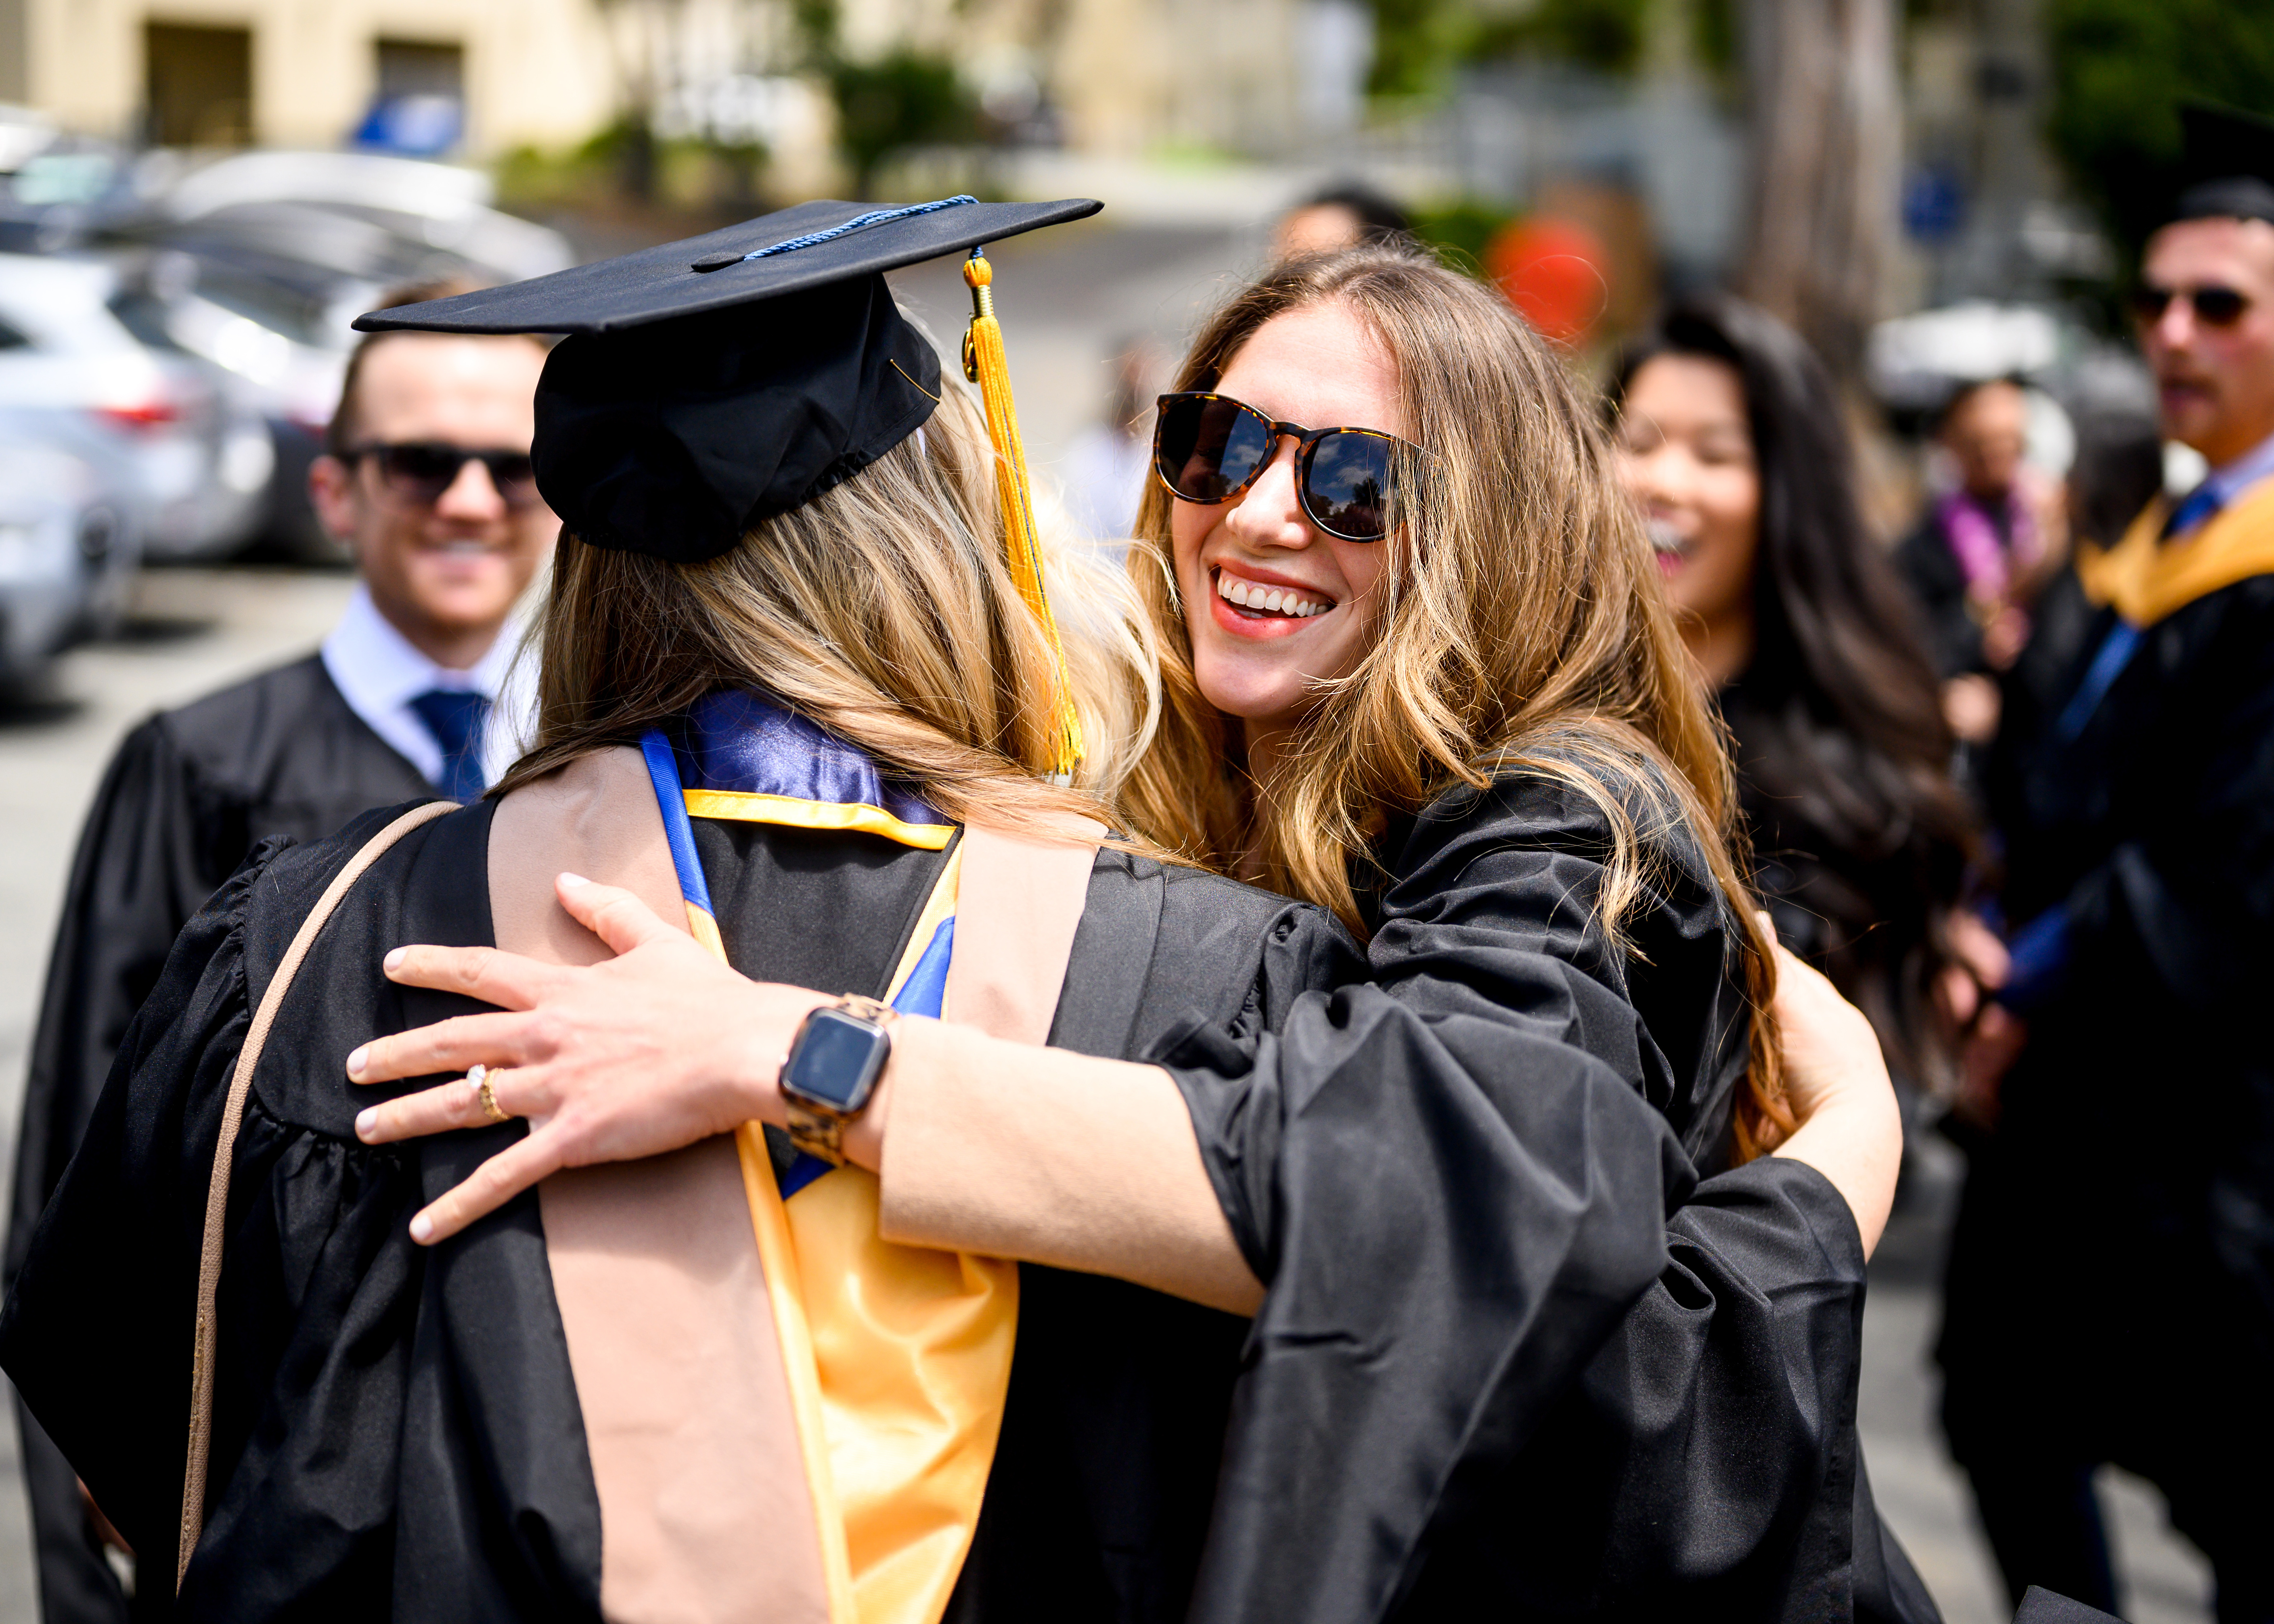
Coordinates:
[1525,629]
[883,612]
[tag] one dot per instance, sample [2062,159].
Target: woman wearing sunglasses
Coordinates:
[1420,673]
[1418,669]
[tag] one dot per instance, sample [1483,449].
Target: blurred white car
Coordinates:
[191,464]
[67,553]
[257,263]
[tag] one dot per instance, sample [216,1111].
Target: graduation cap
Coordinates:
[708,384]
[2228,165]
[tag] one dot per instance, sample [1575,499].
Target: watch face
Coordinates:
[836,1060]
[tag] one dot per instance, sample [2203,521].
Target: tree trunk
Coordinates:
[1827,147]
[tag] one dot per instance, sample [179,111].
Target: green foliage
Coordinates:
[906,99]
[1415,43]
[700,177]
[1459,231]
[2120,69]
[1606,35]
[1714,33]
[817,25]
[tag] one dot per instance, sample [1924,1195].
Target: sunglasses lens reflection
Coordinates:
[1209,449]
[1347,489]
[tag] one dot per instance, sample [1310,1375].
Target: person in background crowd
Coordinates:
[1979,545]
[427,480]
[2111,1287]
[1105,469]
[2119,469]
[1981,552]
[1342,216]
[1732,440]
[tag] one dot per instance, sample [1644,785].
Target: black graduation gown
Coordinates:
[1937,585]
[1377,1410]
[397,1430]
[2110,1289]
[184,799]
[1706,1464]
[1849,886]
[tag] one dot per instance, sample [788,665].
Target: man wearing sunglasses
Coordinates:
[427,482]
[2110,1294]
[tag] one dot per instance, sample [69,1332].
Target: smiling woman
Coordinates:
[1283,598]
[1732,443]
[1471,731]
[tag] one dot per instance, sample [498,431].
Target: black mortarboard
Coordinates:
[710,383]
[2229,164]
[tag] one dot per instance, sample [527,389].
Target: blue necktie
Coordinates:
[2201,503]
[2123,640]
[455,716]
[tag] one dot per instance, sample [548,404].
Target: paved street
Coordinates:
[199,629]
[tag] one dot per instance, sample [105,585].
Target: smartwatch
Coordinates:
[832,1069]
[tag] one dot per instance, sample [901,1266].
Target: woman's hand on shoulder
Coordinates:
[654,1048]
[1834,1074]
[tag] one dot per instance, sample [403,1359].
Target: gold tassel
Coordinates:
[984,364]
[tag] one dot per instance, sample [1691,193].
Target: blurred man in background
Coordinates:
[1105,468]
[1981,551]
[1342,216]
[2111,1292]
[426,480]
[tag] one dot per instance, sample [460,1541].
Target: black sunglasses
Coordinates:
[2214,306]
[420,471]
[1209,449]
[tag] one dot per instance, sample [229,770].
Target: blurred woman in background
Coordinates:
[1733,441]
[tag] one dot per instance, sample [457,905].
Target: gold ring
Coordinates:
[483,1078]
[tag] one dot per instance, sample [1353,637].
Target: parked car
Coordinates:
[192,462]
[68,550]
[256,263]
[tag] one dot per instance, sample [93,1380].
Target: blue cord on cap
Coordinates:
[875,217]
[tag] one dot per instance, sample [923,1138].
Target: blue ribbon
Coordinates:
[876,217]
[2115,653]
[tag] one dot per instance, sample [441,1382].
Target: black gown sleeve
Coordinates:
[96,1333]
[142,868]
[1707,1462]
[396,1433]
[1493,1280]
[1453,1198]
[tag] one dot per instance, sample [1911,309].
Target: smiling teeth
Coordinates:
[1270,600]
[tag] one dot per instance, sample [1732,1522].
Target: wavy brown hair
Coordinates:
[1526,629]
[881,611]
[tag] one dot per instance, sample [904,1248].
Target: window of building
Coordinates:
[197,84]
[419,109]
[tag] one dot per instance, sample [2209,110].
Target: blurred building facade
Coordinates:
[426,76]
[1120,78]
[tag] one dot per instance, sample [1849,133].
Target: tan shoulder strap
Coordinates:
[240,1082]
[1017,909]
